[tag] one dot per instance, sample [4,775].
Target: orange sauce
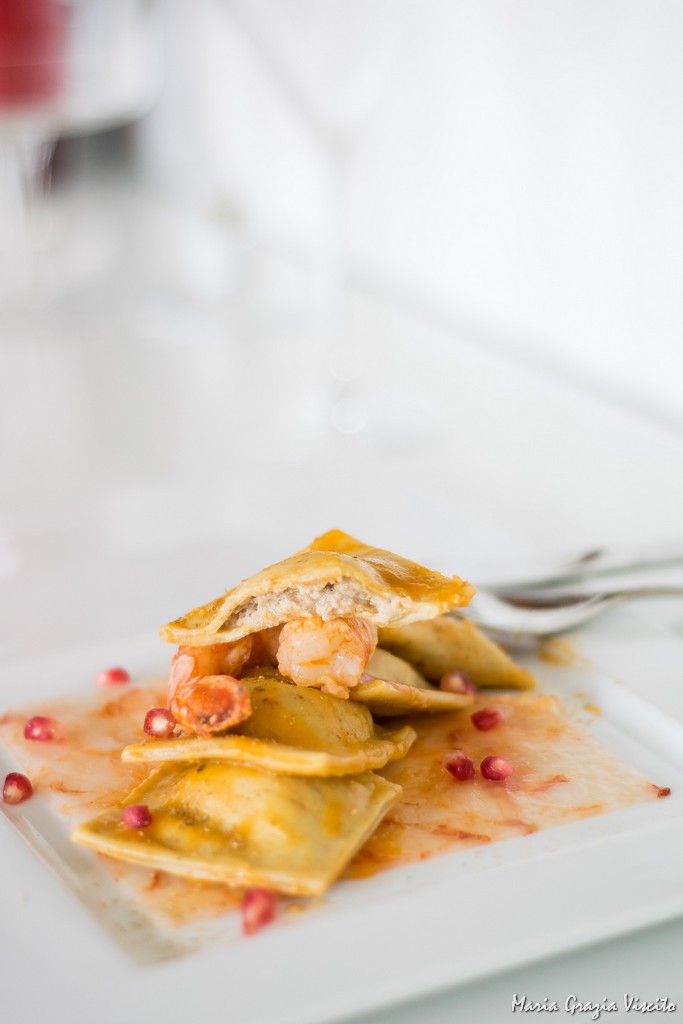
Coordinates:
[556,650]
[561,773]
[84,775]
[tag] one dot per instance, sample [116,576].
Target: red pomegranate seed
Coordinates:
[258,910]
[159,722]
[457,682]
[112,677]
[487,718]
[495,768]
[43,729]
[16,789]
[459,765]
[137,816]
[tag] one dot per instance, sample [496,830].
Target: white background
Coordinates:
[520,170]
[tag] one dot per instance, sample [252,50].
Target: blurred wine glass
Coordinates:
[334,59]
[66,67]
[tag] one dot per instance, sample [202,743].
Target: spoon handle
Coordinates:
[605,561]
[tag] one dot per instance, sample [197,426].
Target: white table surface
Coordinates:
[151,468]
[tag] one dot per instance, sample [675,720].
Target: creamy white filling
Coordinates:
[330,601]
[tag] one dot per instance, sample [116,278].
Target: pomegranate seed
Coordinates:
[487,718]
[43,729]
[16,789]
[495,768]
[457,682]
[112,677]
[459,765]
[137,816]
[159,722]
[258,910]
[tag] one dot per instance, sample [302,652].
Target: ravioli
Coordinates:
[336,576]
[243,827]
[444,643]
[385,665]
[292,730]
[387,699]
[399,689]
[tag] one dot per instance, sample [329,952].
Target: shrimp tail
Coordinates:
[205,704]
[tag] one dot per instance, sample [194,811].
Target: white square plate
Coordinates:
[372,942]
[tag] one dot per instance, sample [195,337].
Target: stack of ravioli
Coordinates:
[286,798]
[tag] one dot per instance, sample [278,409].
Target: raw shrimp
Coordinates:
[205,695]
[330,654]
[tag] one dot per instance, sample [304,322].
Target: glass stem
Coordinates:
[22,161]
[15,262]
[342,356]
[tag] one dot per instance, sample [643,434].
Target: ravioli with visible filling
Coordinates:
[292,730]
[336,576]
[315,616]
[438,645]
[243,827]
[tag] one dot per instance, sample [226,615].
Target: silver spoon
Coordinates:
[604,561]
[524,614]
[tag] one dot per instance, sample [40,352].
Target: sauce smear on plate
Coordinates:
[561,773]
